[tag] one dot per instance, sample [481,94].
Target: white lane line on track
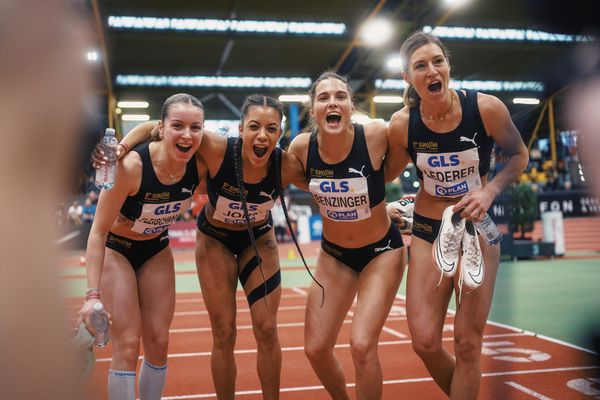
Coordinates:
[516,329]
[301,348]
[280,325]
[244,310]
[388,382]
[527,391]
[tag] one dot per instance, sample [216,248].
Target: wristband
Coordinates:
[92,296]
[125,146]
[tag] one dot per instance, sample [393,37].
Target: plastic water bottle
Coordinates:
[489,230]
[105,175]
[100,322]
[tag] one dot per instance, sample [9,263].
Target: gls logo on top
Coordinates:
[440,161]
[334,187]
[455,190]
[167,209]
[239,206]
[343,215]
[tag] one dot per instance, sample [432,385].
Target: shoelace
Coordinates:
[452,244]
[471,257]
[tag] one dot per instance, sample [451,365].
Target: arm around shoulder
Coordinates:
[397,153]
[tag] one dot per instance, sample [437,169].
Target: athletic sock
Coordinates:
[121,385]
[152,381]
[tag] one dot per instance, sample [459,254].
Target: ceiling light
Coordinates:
[459,32]
[226,25]
[455,3]
[388,99]
[490,86]
[376,32]
[92,56]
[135,117]
[526,100]
[213,81]
[132,104]
[290,98]
[394,63]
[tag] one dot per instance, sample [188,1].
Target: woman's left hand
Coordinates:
[474,205]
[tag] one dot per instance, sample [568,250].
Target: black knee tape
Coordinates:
[271,284]
[247,270]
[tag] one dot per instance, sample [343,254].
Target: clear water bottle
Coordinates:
[100,322]
[105,175]
[489,230]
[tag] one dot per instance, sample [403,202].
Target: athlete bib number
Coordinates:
[450,174]
[344,200]
[155,218]
[232,212]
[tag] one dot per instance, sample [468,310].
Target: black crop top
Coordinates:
[156,206]
[451,164]
[345,191]
[223,191]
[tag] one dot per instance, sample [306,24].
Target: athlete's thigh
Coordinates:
[475,306]
[269,256]
[120,294]
[378,286]
[217,272]
[426,303]
[156,286]
[324,318]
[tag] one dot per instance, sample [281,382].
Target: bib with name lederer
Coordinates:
[155,218]
[232,211]
[450,174]
[342,199]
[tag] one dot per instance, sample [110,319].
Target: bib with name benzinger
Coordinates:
[232,211]
[344,200]
[155,218]
[450,174]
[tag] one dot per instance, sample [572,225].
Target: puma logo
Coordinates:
[265,194]
[265,226]
[466,139]
[380,249]
[186,190]
[355,171]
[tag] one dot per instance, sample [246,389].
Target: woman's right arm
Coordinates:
[139,134]
[127,182]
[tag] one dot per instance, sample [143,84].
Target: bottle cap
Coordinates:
[98,306]
[109,131]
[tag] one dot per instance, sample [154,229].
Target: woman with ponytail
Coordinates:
[362,254]
[236,239]
[449,135]
[130,266]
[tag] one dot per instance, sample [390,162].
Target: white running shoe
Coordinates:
[472,268]
[446,246]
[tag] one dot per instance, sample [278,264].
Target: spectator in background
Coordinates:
[89,209]
[75,213]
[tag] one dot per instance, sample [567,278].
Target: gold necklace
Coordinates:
[432,117]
